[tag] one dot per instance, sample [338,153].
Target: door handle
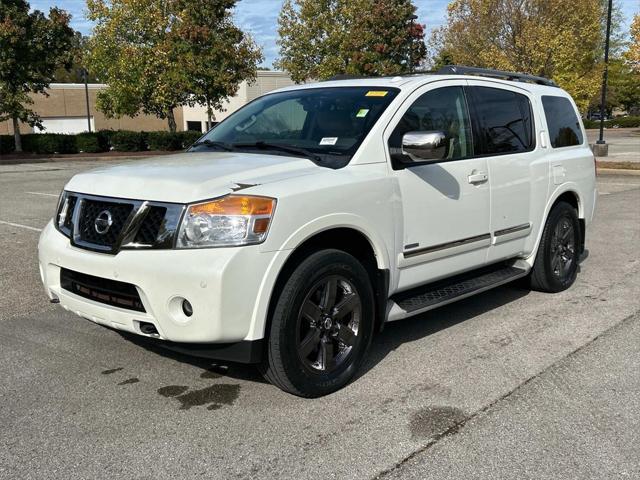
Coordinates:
[479,177]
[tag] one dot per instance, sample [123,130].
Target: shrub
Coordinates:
[91,142]
[7,144]
[189,137]
[127,141]
[49,143]
[622,122]
[164,141]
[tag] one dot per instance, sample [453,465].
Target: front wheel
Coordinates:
[322,325]
[556,265]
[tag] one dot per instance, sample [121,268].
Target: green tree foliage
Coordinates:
[322,38]
[32,47]
[157,55]
[623,87]
[216,54]
[633,54]
[559,39]
[73,73]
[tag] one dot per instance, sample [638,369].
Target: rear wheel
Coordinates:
[322,325]
[556,265]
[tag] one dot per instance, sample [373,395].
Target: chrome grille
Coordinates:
[150,227]
[132,223]
[91,209]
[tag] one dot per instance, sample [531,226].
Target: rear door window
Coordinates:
[504,122]
[562,121]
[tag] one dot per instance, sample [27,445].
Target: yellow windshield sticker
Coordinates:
[376,93]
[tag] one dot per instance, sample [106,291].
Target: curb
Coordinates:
[78,158]
[618,171]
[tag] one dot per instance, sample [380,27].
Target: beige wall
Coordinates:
[68,100]
[266,81]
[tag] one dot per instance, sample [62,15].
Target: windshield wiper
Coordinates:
[210,143]
[282,148]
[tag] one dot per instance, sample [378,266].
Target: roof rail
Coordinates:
[487,72]
[346,76]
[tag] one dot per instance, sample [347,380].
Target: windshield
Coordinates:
[326,125]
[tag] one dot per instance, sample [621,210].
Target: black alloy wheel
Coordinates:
[556,265]
[327,329]
[321,326]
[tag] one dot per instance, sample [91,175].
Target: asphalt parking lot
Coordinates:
[509,384]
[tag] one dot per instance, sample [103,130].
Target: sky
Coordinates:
[259,17]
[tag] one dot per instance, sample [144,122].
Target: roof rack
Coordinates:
[487,72]
[346,76]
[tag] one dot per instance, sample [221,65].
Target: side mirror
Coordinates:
[425,146]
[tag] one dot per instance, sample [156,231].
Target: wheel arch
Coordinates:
[564,193]
[349,239]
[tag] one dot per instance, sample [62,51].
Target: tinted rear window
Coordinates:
[504,121]
[564,127]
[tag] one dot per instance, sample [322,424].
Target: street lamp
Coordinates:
[602,150]
[413,18]
[85,78]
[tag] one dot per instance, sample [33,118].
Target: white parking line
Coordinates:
[43,194]
[20,226]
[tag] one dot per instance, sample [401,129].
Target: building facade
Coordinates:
[64,109]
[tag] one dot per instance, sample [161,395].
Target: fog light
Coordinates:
[187,309]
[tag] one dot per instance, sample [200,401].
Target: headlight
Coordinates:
[228,221]
[63,216]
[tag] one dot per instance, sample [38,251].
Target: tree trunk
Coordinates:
[16,135]
[209,115]
[172,121]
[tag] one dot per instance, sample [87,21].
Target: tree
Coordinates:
[157,55]
[32,47]
[322,38]
[129,50]
[559,39]
[632,55]
[215,53]
[73,73]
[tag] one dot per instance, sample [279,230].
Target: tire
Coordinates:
[556,265]
[321,327]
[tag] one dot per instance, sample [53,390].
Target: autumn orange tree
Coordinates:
[322,38]
[559,39]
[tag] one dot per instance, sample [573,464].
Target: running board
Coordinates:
[428,297]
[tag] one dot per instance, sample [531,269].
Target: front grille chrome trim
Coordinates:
[127,236]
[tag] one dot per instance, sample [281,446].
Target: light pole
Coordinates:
[85,77]
[413,19]
[603,150]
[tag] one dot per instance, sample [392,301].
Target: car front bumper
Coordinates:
[222,285]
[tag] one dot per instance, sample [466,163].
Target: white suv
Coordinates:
[297,227]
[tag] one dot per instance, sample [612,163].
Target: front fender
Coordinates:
[297,238]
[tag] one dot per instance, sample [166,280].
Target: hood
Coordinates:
[189,177]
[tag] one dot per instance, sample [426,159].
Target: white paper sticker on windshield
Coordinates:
[362,113]
[328,140]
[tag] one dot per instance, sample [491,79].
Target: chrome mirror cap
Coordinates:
[425,146]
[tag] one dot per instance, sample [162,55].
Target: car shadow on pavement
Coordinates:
[393,335]
[211,368]
[415,328]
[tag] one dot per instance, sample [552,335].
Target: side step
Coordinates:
[428,297]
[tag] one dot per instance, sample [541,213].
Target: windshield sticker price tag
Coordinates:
[328,140]
[362,113]
[376,93]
